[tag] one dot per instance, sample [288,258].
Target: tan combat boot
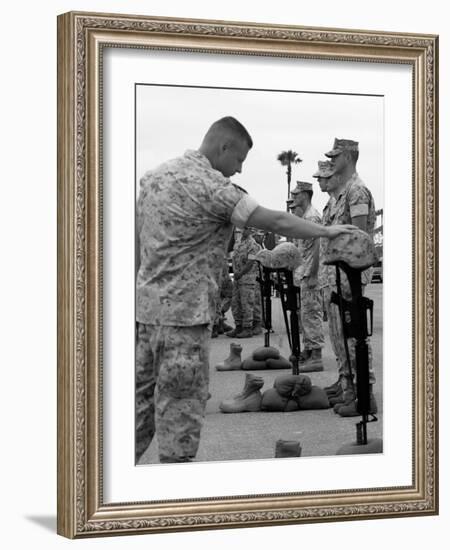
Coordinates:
[351,408]
[313,363]
[245,333]
[232,333]
[286,449]
[233,361]
[248,400]
[257,329]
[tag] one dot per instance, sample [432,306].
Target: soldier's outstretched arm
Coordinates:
[289,225]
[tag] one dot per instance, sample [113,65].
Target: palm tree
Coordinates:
[288,158]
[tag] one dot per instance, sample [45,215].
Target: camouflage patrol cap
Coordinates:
[355,249]
[302,186]
[341,145]
[325,170]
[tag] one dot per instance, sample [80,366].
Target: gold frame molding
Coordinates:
[81,37]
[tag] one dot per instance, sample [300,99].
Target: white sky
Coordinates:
[170,120]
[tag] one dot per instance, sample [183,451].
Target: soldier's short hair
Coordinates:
[233,126]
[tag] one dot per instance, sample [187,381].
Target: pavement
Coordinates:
[249,436]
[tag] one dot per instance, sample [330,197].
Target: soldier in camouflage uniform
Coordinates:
[351,202]
[186,211]
[244,287]
[306,277]
[323,175]
[257,308]
[223,302]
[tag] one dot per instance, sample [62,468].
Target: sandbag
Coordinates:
[316,399]
[273,401]
[252,364]
[263,353]
[292,385]
[291,406]
[281,363]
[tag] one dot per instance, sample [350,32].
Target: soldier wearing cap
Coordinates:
[306,277]
[244,286]
[350,202]
[324,176]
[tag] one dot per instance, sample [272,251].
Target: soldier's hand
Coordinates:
[335,230]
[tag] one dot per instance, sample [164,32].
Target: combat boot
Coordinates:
[234,361]
[257,329]
[336,387]
[286,449]
[232,333]
[351,409]
[313,363]
[304,356]
[248,400]
[245,333]
[226,327]
[345,399]
[252,383]
[336,398]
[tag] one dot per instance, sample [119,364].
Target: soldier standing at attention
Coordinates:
[306,277]
[257,308]
[186,211]
[323,176]
[352,202]
[245,273]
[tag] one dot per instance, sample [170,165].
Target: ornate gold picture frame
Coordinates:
[82,40]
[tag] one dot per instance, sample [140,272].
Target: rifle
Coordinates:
[353,253]
[280,262]
[355,315]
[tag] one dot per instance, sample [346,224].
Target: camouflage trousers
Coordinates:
[337,341]
[257,307]
[311,316]
[172,378]
[242,303]
[223,303]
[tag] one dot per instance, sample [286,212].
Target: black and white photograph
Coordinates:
[259,273]
[245,274]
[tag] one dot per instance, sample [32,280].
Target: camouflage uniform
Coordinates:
[323,269]
[185,217]
[244,289]
[311,302]
[354,200]
[257,305]
[225,294]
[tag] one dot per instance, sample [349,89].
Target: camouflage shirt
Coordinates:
[307,246]
[185,216]
[354,200]
[323,269]
[240,257]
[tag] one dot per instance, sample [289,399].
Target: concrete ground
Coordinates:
[245,436]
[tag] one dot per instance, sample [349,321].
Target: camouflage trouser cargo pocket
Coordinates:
[180,363]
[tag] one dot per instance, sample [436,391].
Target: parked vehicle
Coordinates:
[377,275]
